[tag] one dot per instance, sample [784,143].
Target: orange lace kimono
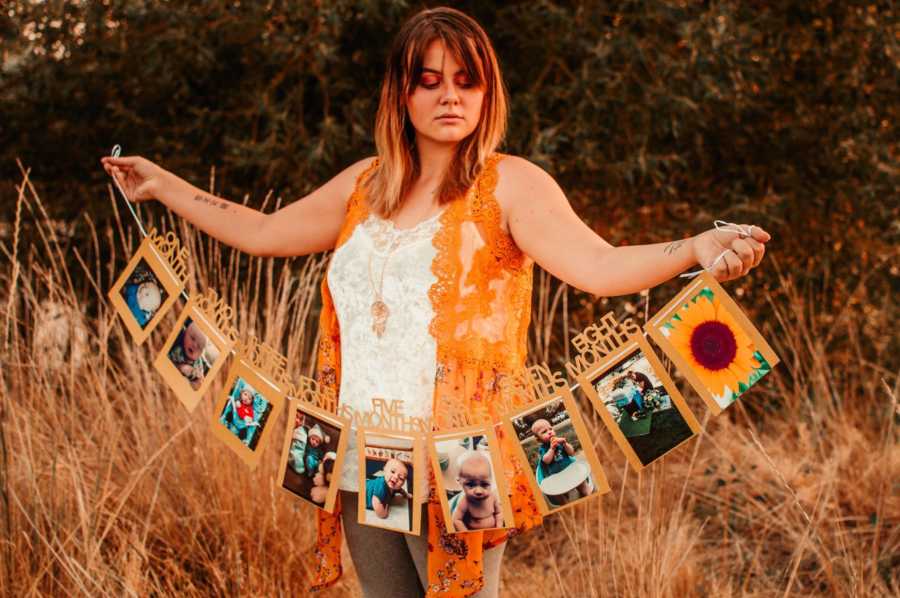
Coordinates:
[482,308]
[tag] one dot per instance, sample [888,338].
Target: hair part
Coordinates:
[398,163]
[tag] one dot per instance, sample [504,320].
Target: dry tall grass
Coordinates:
[110,488]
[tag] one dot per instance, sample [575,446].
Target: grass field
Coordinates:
[108,487]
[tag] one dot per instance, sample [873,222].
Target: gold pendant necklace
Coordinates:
[380,311]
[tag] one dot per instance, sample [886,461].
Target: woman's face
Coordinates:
[445,106]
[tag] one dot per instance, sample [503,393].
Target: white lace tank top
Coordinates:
[401,364]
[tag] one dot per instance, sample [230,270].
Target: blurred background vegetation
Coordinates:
[655,117]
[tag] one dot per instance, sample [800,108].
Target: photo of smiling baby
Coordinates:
[388,472]
[471,487]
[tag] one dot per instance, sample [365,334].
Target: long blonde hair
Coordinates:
[398,163]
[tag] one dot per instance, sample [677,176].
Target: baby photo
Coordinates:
[310,456]
[143,293]
[193,353]
[712,343]
[246,413]
[387,490]
[641,406]
[247,408]
[474,493]
[556,447]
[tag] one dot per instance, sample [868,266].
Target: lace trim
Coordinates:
[385,235]
[499,254]
[357,209]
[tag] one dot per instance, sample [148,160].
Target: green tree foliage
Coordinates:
[656,117]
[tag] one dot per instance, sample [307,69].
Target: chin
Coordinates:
[450,136]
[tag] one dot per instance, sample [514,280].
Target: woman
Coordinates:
[453,311]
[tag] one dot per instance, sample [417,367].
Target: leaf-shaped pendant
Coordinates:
[379,317]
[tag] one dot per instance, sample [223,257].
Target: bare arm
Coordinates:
[461,507]
[548,456]
[381,509]
[308,225]
[543,224]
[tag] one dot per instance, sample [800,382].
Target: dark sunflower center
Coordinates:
[713,345]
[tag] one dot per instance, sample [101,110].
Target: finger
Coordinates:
[731,266]
[758,233]
[123,160]
[759,250]
[744,252]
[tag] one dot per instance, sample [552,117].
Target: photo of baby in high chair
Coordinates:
[143,293]
[388,481]
[557,449]
[310,456]
[246,413]
[472,489]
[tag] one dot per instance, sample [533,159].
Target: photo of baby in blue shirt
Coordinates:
[386,500]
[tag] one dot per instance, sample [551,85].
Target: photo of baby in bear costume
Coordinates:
[143,293]
[311,458]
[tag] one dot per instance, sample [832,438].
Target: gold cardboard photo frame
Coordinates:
[638,402]
[563,483]
[468,473]
[246,412]
[193,354]
[313,473]
[711,342]
[389,463]
[147,287]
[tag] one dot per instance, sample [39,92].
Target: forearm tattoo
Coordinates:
[211,201]
[672,247]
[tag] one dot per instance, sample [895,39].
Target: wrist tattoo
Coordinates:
[673,246]
[221,204]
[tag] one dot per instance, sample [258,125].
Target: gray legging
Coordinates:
[393,565]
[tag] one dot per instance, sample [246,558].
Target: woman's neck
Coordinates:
[434,159]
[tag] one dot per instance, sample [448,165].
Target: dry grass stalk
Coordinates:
[109,488]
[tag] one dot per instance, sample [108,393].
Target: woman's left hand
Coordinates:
[743,252]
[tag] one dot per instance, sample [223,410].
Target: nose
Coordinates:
[450,95]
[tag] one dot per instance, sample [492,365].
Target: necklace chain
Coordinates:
[380,311]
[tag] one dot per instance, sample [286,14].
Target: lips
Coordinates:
[449,117]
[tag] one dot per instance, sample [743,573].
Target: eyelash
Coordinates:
[435,85]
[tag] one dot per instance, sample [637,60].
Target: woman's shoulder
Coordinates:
[519,178]
[518,172]
[350,175]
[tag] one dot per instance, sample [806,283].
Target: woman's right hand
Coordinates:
[139,178]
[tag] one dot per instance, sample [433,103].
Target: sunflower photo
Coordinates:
[712,343]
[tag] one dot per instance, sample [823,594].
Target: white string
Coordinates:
[730,227]
[115,153]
